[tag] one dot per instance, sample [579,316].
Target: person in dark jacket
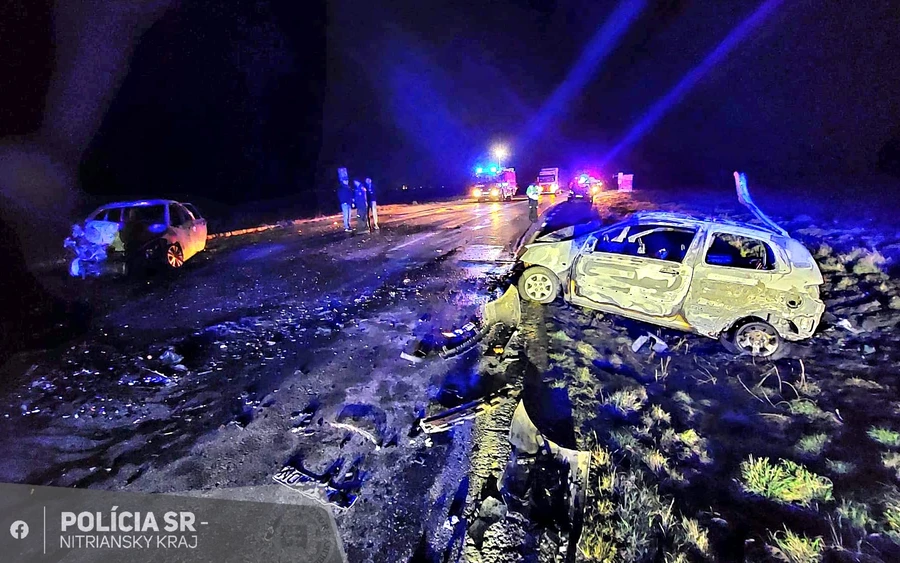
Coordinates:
[362,207]
[345,196]
[373,207]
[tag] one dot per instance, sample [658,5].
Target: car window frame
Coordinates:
[779,265]
[650,228]
[194,211]
[184,218]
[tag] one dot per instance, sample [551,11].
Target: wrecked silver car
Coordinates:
[751,286]
[128,236]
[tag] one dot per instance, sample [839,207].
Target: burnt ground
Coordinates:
[282,348]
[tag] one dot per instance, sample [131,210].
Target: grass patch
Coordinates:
[891,518]
[863,384]
[631,523]
[629,400]
[784,481]
[695,536]
[656,461]
[885,436]
[561,336]
[839,467]
[812,445]
[659,415]
[856,513]
[796,548]
[587,351]
[811,411]
[891,460]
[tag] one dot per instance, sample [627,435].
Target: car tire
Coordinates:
[174,256]
[539,285]
[757,338]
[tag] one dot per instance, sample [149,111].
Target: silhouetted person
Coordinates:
[534,193]
[373,207]
[362,207]
[345,196]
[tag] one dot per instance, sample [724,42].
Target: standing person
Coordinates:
[534,193]
[345,196]
[373,207]
[362,207]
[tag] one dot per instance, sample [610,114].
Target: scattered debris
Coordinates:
[658,345]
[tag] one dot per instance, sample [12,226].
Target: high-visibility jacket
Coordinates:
[533,192]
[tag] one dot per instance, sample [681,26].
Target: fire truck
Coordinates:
[494,184]
[548,180]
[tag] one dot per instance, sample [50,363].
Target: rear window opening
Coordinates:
[735,251]
[146,214]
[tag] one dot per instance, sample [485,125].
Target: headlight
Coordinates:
[476,192]
[495,191]
[593,189]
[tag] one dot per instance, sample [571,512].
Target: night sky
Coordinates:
[247,100]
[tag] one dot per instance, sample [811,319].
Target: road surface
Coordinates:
[268,348]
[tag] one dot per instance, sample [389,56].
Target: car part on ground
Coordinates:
[505,310]
[754,284]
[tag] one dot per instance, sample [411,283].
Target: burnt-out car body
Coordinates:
[751,286]
[136,235]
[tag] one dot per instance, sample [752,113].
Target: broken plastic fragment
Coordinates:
[657,345]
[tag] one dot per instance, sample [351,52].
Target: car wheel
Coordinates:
[539,284]
[174,256]
[758,339]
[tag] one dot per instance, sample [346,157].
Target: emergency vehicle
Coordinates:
[548,180]
[494,184]
[585,187]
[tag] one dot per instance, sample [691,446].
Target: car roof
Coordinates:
[684,220]
[137,203]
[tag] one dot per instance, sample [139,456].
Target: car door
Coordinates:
[181,223]
[638,268]
[199,227]
[736,275]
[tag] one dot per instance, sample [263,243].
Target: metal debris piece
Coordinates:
[443,421]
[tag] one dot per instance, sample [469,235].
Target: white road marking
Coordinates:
[413,241]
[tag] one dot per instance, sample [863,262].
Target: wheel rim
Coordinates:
[757,339]
[538,286]
[174,256]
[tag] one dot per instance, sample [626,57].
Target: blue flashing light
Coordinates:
[493,168]
[479,170]
[157,228]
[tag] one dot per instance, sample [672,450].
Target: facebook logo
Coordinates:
[19,530]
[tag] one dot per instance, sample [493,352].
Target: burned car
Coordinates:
[751,286]
[136,235]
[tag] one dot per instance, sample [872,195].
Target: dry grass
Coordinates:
[796,548]
[695,536]
[629,400]
[627,520]
[586,350]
